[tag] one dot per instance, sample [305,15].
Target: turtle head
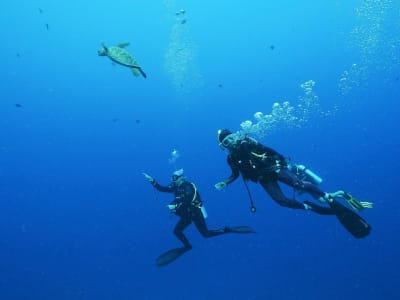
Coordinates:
[102,51]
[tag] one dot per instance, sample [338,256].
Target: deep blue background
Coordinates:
[77,220]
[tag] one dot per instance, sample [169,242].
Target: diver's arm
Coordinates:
[234,175]
[234,171]
[162,188]
[157,186]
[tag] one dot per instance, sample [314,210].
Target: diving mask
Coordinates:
[177,175]
[230,140]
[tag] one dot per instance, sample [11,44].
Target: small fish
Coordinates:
[18,105]
[181,12]
[47,26]
[40,10]
[18,55]
[137,121]
[183,21]
[272,47]
[220,85]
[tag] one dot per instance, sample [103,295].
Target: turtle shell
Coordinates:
[121,56]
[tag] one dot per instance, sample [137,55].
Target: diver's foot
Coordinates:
[228,229]
[338,193]
[327,198]
[239,229]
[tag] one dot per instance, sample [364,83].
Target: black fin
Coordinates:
[321,210]
[171,255]
[356,225]
[240,229]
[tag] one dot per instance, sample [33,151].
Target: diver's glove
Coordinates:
[149,178]
[172,207]
[307,206]
[220,185]
[352,201]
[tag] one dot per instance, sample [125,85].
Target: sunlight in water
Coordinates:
[378,50]
[180,55]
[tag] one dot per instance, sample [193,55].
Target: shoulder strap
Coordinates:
[195,192]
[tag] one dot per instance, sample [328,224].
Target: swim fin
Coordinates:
[171,255]
[318,209]
[240,229]
[356,225]
[355,203]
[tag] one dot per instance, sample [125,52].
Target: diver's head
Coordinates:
[177,177]
[227,139]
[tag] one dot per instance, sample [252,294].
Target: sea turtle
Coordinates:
[122,57]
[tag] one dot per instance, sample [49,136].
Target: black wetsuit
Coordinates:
[188,208]
[262,164]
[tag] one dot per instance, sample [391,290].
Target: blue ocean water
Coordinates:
[77,218]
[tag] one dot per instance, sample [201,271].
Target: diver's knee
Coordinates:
[178,232]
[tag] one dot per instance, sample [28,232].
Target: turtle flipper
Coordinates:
[123,45]
[135,71]
[142,72]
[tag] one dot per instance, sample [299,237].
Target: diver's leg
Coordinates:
[179,228]
[318,209]
[288,178]
[285,176]
[274,190]
[201,225]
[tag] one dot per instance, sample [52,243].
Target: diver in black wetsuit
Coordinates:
[266,166]
[262,164]
[187,204]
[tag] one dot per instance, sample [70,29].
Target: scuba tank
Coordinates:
[196,201]
[203,211]
[303,173]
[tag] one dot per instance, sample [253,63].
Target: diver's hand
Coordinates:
[220,185]
[148,178]
[171,207]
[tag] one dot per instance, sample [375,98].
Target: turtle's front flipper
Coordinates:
[123,45]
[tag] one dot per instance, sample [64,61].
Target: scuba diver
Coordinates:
[188,205]
[267,167]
